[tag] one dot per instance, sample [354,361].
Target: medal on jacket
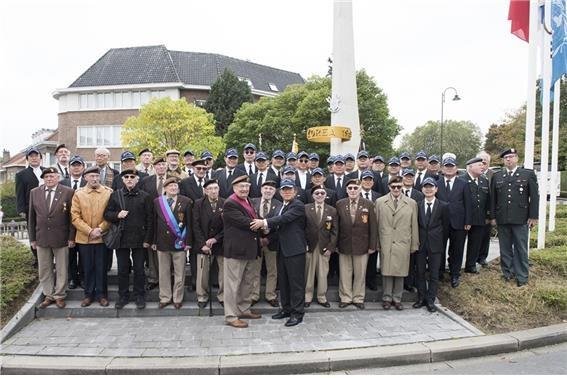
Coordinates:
[64,207]
[176,228]
[365,215]
[328,223]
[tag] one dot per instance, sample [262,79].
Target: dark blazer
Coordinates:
[523,201]
[330,198]
[322,232]
[53,228]
[26,180]
[415,194]
[188,187]
[244,167]
[330,183]
[208,224]
[290,226]
[423,177]
[358,237]
[432,236]
[301,195]
[138,225]
[225,184]
[460,203]
[275,206]
[149,185]
[308,183]
[69,182]
[379,183]
[117,183]
[480,196]
[255,189]
[163,238]
[373,195]
[239,241]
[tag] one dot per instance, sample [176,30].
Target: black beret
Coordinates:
[270,183]
[159,159]
[48,170]
[144,150]
[171,180]
[354,181]
[209,182]
[128,172]
[509,151]
[474,160]
[93,169]
[199,162]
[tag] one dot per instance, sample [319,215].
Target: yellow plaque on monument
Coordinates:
[323,134]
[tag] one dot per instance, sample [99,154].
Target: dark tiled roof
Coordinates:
[156,64]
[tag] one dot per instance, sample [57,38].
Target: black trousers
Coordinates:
[371,271]
[409,280]
[123,260]
[474,245]
[291,279]
[93,258]
[456,250]
[75,271]
[485,245]
[426,259]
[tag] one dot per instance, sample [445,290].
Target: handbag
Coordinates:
[112,237]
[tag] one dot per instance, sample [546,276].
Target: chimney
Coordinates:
[5,155]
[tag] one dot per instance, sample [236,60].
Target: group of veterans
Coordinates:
[302,222]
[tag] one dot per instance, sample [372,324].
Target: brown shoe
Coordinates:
[177,305]
[60,303]
[163,304]
[398,306]
[250,315]
[46,302]
[386,305]
[237,323]
[103,302]
[86,302]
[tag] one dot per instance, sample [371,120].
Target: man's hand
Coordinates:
[467,227]
[122,214]
[71,243]
[264,242]
[209,243]
[327,253]
[532,222]
[256,224]
[33,245]
[154,247]
[371,251]
[146,245]
[493,222]
[95,233]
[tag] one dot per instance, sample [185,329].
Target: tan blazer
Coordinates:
[358,237]
[51,228]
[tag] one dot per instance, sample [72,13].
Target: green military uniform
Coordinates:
[480,195]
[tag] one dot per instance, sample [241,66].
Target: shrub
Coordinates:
[555,297]
[8,199]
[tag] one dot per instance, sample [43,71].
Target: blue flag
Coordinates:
[559,40]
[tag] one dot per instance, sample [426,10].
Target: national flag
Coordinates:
[558,39]
[519,14]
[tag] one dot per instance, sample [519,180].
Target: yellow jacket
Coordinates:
[87,212]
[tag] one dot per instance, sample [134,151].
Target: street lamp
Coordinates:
[456,98]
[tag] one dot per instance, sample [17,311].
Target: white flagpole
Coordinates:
[543,184]
[531,100]
[554,154]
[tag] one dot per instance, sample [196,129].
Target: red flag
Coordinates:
[519,14]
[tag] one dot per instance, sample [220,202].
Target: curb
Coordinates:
[292,362]
[23,317]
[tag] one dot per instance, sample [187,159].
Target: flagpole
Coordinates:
[543,184]
[554,154]
[531,98]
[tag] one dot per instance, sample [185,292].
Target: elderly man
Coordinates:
[394,169]
[318,179]
[487,173]
[241,249]
[62,155]
[172,240]
[128,161]
[398,238]
[87,212]
[52,233]
[207,156]
[357,240]
[146,158]
[188,159]
[107,173]
[173,167]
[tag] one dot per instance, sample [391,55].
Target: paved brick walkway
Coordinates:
[204,336]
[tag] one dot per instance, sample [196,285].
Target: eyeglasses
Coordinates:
[319,193]
[353,187]
[396,187]
[304,161]
[129,176]
[200,168]
[249,152]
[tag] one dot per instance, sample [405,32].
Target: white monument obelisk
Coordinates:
[344,103]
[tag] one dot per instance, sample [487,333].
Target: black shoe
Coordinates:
[372,286]
[221,303]
[455,282]
[307,304]
[343,304]
[140,303]
[419,304]
[151,286]
[324,304]
[202,304]
[281,315]
[521,284]
[72,284]
[483,262]
[472,271]
[431,307]
[121,303]
[360,306]
[293,321]
[253,302]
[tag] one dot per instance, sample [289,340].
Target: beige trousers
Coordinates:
[237,287]
[271,277]
[316,265]
[203,271]
[53,286]
[352,289]
[165,258]
[393,288]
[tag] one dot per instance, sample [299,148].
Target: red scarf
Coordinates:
[244,204]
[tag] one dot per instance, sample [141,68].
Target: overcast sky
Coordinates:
[413,48]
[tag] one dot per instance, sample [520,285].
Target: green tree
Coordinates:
[165,123]
[226,97]
[300,107]
[463,138]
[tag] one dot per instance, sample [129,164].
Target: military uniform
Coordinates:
[480,196]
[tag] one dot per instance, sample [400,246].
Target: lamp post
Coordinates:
[456,98]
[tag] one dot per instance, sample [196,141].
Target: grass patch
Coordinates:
[18,276]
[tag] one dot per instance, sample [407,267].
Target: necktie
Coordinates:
[265,208]
[170,201]
[66,172]
[367,195]
[229,174]
[396,203]
[160,186]
[448,186]
[260,178]
[146,169]
[428,214]
[407,192]
[250,170]
[103,175]
[418,181]
[48,199]
[75,184]
[510,173]
[201,184]
[319,213]
[352,210]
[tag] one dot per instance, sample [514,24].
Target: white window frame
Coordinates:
[100,136]
[273,87]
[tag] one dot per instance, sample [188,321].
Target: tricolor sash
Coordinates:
[172,223]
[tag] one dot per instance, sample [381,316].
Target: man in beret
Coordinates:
[188,159]
[87,213]
[52,234]
[318,179]
[480,196]
[357,240]
[208,234]
[62,154]
[241,248]
[194,186]
[228,173]
[172,240]
[173,167]
[514,207]
[262,175]
[146,159]
[267,206]
[249,154]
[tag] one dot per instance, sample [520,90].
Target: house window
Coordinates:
[98,136]
[200,103]
[273,87]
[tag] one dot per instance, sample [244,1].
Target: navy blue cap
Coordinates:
[394,160]
[429,181]
[434,158]
[32,149]
[449,161]
[231,152]
[250,145]
[314,156]
[261,155]
[349,156]
[287,183]
[421,155]
[378,158]
[405,155]
[331,160]
[189,152]
[206,154]
[362,154]
[278,153]
[127,155]
[317,171]
[302,154]
[408,171]
[291,155]
[287,169]
[339,159]
[76,159]
[367,174]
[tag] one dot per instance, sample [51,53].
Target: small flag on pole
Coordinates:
[519,14]
[559,39]
[294,145]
